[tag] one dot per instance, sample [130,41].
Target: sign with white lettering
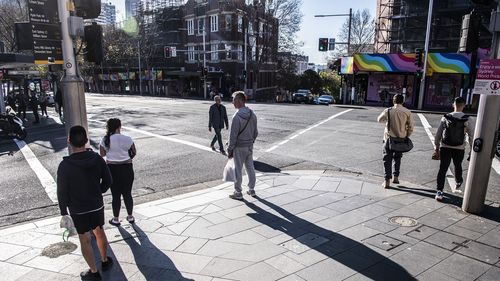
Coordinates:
[488,78]
[46,30]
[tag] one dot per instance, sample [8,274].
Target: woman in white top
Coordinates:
[119,151]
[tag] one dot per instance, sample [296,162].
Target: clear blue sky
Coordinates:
[315,28]
[312,28]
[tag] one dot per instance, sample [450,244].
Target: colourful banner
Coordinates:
[448,63]
[122,76]
[347,65]
[385,62]
[104,77]
[159,74]
[132,75]
[113,77]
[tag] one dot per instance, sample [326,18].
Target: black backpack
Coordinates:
[454,130]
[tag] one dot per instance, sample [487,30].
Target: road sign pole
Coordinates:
[75,111]
[488,118]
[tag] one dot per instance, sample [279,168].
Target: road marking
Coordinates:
[307,129]
[171,139]
[496,165]
[449,175]
[43,175]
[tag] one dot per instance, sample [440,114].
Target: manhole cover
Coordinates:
[56,250]
[403,221]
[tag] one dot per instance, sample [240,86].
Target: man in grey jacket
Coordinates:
[217,119]
[241,139]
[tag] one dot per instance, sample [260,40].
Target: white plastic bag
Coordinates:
[67,223]
[229,173]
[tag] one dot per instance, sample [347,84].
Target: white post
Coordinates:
[2,101]
[426,53]
[75,111]
[153,78]
[246,61]
[140,70]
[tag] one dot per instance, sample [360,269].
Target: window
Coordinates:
[215,52]
[214,23]
[229,22]
[240,23]
[250,28]
[190,27]
[190,53]
[201,26]
[253,43]
[228,48]
[240,52]
[261,29]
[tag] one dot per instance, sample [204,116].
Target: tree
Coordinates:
[286,76]
[331,82]
[289,18]
[11,11]
[362,33]
[311,80]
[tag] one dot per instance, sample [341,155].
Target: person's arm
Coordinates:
[469,132]
[382,118]
[106,179]
[410,125]
[233,135]
[439,135]
[132,151]
[62,190]
[102,151]
[226,120]
[210,112]
[256,132]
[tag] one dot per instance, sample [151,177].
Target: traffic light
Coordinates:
[204,71]
[419,74]
[93,41]
[167,52]
[244,75]
[88,9]
[323,44]
[469,34]
[419,54]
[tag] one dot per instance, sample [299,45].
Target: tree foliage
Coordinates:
[312,81]
[289,18]
[331,82]
[362,33]
[11,11]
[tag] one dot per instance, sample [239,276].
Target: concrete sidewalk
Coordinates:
[304,225]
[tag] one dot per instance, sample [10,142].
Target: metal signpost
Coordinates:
[46,30]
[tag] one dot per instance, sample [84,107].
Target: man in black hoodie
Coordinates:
[82,177]
[217,118]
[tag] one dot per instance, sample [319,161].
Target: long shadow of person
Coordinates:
[151,261]
[348,252]
[116,271]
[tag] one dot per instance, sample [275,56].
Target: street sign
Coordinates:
[331,44]
[488,78]
[173,51]
[46,31]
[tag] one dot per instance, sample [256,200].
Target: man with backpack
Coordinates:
[450,144]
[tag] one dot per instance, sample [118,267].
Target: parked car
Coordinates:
[325,99]
[303,96]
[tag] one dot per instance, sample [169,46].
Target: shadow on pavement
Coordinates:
[489,212]
[151,261]
[116,271]
[341,249]
[265,168]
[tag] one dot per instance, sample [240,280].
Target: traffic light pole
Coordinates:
[204,65]
[488,118]
[426,53]
[75,111]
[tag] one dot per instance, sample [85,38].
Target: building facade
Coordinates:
[108,14]
[401,25]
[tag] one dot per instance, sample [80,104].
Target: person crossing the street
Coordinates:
[217,118]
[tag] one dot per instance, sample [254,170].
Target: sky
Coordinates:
[314,28]
[311,28]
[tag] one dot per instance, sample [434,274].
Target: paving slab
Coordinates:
[219,267]
[461,268]
[446,240]
[259,271]
[481,252]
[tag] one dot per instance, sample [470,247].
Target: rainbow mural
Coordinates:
[448,63]
[347,65]
[385,62]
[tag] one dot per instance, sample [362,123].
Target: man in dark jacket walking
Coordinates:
[217,120]
[82,177]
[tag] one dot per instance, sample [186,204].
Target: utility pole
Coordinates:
[426,53]
[485,137]
[246,59]
[349,33]
[75,111]
[140,70]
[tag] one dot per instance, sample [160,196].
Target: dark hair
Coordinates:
[459,101]
[77,136]
[111,126]
[399,99]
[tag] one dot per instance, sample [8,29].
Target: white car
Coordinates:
[325,99]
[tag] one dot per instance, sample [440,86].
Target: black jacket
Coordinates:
[218,117]
[81,180]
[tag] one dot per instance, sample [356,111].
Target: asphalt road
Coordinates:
[172,138]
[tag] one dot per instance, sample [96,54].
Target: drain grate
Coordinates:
[403,221]
[58,249]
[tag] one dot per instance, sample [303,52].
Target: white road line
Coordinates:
[43,175]
[188,143]
[449,175]
[307,129]
[496,165]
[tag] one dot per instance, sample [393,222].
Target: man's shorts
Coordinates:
[87,222]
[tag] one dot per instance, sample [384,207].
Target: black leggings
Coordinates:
[123,179]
